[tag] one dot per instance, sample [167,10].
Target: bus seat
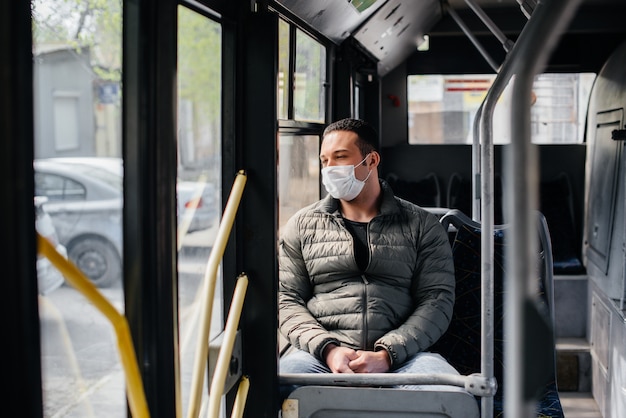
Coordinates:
[364,402]
[459,195]
[461,344]
[557,205]
[425,192]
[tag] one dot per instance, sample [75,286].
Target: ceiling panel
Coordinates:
[390,30]
[336,19]
[397,29]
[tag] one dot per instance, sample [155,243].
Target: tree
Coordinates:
[96,24]
[200,77]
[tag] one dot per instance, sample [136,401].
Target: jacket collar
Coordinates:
[389,204]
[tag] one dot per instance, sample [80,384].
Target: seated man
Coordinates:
[366,278]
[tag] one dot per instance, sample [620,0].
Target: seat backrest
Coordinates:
[461,344]
[425,192]
[557,205]
[459,195]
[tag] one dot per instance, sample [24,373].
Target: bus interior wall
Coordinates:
[562,167]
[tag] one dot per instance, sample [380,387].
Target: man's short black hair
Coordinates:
[368,137]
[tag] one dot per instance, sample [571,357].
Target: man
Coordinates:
[366,278]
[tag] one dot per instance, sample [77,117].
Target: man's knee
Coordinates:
[301,362]
[426,362]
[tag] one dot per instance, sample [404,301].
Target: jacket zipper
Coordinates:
[365,283]
[365,331]
[365,291]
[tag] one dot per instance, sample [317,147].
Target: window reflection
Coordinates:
[442,108]
[309,78]
[199,179]
[283,69]
[77,116]
[298,173]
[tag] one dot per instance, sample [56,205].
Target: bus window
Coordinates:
[283,69]
[199,177]
[77,51]
[306,79]
[298,173]
[441,108]
[301,112]
[310,75]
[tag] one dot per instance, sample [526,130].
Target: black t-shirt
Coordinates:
[361,249]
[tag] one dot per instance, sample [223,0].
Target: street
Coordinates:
[81,371]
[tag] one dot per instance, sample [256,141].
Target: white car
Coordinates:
[196,200]
[85,202]
[48,277]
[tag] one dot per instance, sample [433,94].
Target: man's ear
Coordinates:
[375,159]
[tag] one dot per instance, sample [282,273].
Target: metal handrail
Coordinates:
[134,384]
[484,160]
[240,399]
[507,44]
[475,384]
[471,37]
[547,23]
[476,168]
[208,289]
[226,349]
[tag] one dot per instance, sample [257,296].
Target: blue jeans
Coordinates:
[423,363]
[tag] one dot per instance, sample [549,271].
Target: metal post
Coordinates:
[523,246]
[472,38]
[507,44]
[548,21]
[476,170]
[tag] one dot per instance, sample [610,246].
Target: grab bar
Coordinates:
[240,399]
[535,45]
[208,289]
[471,37]
[223,359]
[136,395]
[475,383]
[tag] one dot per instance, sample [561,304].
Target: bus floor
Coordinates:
[579,405]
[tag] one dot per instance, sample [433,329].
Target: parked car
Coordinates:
[85,204]
[196,201]
[48,277]
[85,201]
[197,205]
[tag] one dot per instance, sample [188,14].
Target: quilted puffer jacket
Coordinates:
[401,303]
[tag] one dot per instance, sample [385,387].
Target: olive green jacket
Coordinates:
[402,302]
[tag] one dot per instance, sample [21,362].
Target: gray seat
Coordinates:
[364,402]
[461,344]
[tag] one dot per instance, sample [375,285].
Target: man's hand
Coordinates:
[337,358]
[346,360]
[370,362]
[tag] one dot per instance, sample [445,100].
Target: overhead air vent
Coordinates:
[394,31]
[336,19]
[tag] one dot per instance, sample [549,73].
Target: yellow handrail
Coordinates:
[240,399]
[208,289]
[134,385]
[226,350]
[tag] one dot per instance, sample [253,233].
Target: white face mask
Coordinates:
[340,181]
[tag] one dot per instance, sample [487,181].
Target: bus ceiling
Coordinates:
[391,31]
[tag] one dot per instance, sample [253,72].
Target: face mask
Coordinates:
[340,181]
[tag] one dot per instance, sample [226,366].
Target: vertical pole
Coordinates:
[544,28]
